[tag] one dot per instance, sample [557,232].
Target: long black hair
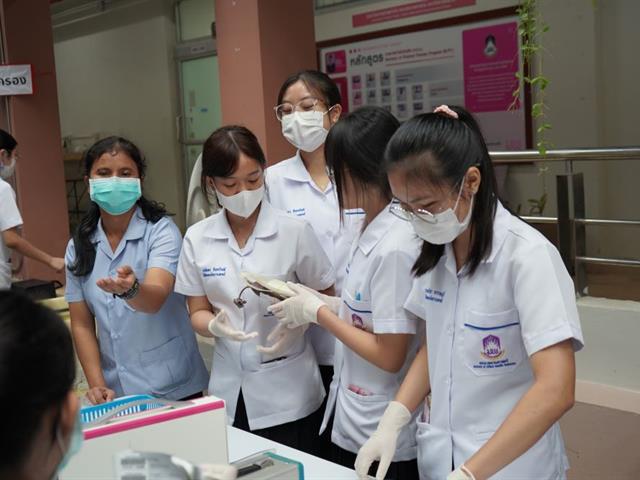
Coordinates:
[37,370]
[7,142]
[355,146]
[318,83]
[439,149]
[85,249]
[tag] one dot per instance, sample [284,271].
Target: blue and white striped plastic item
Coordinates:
[91,413]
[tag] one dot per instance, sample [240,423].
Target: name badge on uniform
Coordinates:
[214,272]
[433,295]
[298,212]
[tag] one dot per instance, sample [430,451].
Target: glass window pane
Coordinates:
[195,18]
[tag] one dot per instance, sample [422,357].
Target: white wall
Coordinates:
[618,39]
[116,75]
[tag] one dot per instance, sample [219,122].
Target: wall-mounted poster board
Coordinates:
[471,63]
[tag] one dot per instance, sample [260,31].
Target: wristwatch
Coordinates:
[129,294]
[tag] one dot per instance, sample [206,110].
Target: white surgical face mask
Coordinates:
[445,228]
[7,171]
[243,203]
[305,130]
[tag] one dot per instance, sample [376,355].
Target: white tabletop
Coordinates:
[242,444]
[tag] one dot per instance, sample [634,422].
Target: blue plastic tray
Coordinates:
[90,413]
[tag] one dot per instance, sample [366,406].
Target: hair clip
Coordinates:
[447,111]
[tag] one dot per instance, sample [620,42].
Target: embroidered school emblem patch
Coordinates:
[491,348]
[356,321]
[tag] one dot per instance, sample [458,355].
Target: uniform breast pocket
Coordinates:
[492,342]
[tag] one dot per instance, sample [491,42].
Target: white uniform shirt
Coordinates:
[9,218]
[377,284]
[283,247]
[291,188]
[481,331]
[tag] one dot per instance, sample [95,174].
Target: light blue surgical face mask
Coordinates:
[115,195]
[75,442]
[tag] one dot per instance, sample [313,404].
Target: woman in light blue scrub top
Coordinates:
[121,266]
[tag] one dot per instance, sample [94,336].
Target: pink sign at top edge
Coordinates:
[414,9]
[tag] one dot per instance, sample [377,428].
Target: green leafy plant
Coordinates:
[531,28]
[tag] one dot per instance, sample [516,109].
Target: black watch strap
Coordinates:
[132,292]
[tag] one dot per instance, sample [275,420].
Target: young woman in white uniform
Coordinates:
[11,220]
[501,318]
[376,335]
[267,375]
[308,107]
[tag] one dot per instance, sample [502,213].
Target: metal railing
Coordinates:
[571,219]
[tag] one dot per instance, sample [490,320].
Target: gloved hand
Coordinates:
[299,310]
[332,302]
[382,444]
[218,472]
[461,473]
[282,338]
[220,326]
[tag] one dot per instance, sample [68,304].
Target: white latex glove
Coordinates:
[208,471]
[299,310]
[382,444]
[332,302]
[282,338]
[220,326]
[218,472]
[461,473]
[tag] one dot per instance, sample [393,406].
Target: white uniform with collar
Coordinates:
[9,218]
[481,331]
[377,284]
[282,247]
[291,188]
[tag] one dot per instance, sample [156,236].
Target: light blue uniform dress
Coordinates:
[140,353]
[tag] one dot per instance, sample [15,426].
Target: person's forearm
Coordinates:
[534,414]
[14,241]
[415,386]
[200,322]
[365,344]
[150,298]
[86,343]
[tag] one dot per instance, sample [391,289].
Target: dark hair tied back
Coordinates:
[439,150]
[221,152]
[355,146]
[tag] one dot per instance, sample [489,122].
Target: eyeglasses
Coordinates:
[305,105]
[408,215]
[425,215]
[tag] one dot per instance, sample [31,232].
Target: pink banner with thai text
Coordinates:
[409,10]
